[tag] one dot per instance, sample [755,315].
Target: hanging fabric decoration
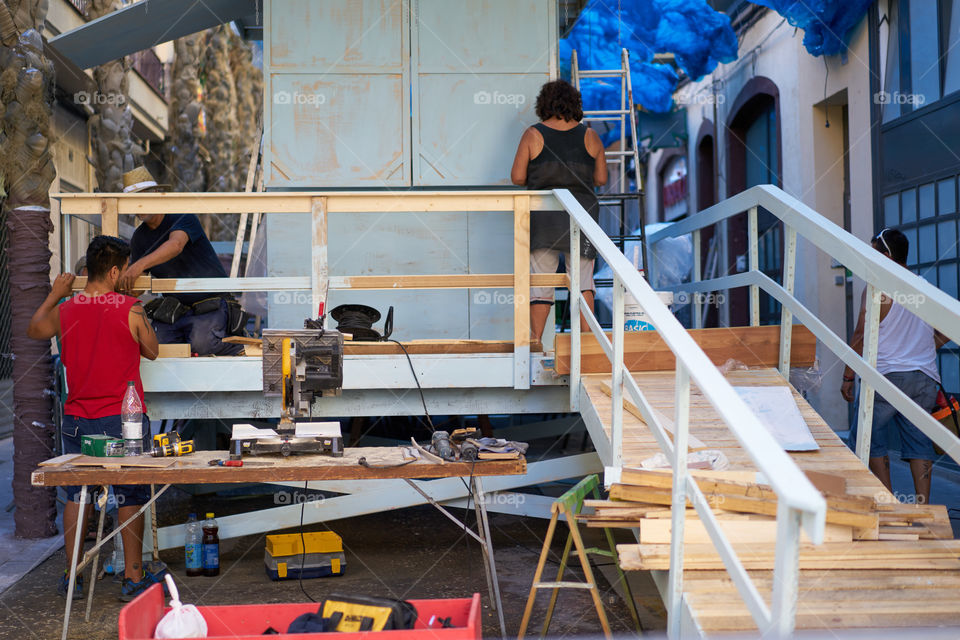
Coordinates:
[827,24]
[698,36]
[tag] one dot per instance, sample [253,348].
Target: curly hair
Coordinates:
[559,99]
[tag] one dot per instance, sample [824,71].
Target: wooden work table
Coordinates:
[195,469]
[88,472]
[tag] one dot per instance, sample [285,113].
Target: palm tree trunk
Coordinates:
[220,105]
[27,171]
[114,151]
[186,131]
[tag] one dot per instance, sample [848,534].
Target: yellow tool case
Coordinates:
[284,557]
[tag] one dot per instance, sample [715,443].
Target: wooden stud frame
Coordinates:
[319,205]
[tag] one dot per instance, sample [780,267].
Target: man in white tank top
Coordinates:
[907,356]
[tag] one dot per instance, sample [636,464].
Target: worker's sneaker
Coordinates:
[64,586]
[154,572]
[130,589]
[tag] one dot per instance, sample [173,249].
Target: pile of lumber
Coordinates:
[860,532]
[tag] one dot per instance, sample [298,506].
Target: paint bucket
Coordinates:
[635,318]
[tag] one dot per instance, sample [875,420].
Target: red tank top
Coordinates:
[99,354]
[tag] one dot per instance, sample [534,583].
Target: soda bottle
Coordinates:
[193,547]
[211,547]
[131,413]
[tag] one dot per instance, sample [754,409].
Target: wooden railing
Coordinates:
[319,205]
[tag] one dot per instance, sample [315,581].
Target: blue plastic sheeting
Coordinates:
[827,24]
[697,35]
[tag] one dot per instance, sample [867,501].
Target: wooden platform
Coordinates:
[876,597]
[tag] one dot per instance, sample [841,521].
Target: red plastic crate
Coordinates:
[248,621]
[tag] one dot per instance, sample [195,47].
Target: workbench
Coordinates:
[381,463]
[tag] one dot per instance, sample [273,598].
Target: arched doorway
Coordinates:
[706,169]
[754,157]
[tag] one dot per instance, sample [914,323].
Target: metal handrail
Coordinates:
[881,274]
[799,503]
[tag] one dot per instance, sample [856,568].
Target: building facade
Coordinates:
[778,115]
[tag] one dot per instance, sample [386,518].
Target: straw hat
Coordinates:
[140,179]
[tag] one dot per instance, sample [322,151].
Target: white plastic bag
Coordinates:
[183,620]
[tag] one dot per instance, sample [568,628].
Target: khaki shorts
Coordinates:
[547,261]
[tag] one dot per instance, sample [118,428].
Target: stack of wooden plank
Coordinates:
[860,532]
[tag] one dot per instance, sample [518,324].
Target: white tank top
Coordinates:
[906,344]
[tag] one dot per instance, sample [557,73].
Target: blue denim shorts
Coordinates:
[74,427]
[889,425]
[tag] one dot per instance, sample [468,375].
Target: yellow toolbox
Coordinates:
[288,544]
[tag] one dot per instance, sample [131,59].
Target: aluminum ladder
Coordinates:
[618,156]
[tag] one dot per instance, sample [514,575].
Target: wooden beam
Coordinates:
[413,347]
[657,531]
[109,220]
[646,350]
[521,291]
[830,555]
[447,281]
[199,285]
[318,255]
[300,202]
[664,480]
[740,503]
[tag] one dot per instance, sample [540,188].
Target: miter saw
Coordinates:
[299,365]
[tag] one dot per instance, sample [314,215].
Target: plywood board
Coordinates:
[126,461]
[646,350]
[657,531]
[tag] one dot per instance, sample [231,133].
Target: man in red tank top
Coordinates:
[102,334]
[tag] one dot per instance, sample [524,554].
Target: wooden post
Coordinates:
[109,220]
[318,272]
[521,292]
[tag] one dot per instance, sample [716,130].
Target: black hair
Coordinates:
[105,253]
[893,243]
[559,99]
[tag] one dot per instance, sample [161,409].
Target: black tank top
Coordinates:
[564,163]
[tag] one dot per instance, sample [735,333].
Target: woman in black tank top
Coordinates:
[559,152]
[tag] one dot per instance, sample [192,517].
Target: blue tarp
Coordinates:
[827,24]
[697,35]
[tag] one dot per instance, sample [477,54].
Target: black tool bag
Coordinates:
[166,309]
[367,613]
[236,316]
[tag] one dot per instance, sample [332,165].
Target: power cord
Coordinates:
[303,544]
[423,400]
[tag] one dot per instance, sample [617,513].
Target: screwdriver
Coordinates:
[226,463]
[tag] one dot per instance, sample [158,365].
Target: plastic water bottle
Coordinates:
[193,547]
[211,547]
[115,564]
[131,413]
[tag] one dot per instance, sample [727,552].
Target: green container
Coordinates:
[101,446]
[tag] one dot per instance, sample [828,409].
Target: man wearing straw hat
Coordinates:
[175,246]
